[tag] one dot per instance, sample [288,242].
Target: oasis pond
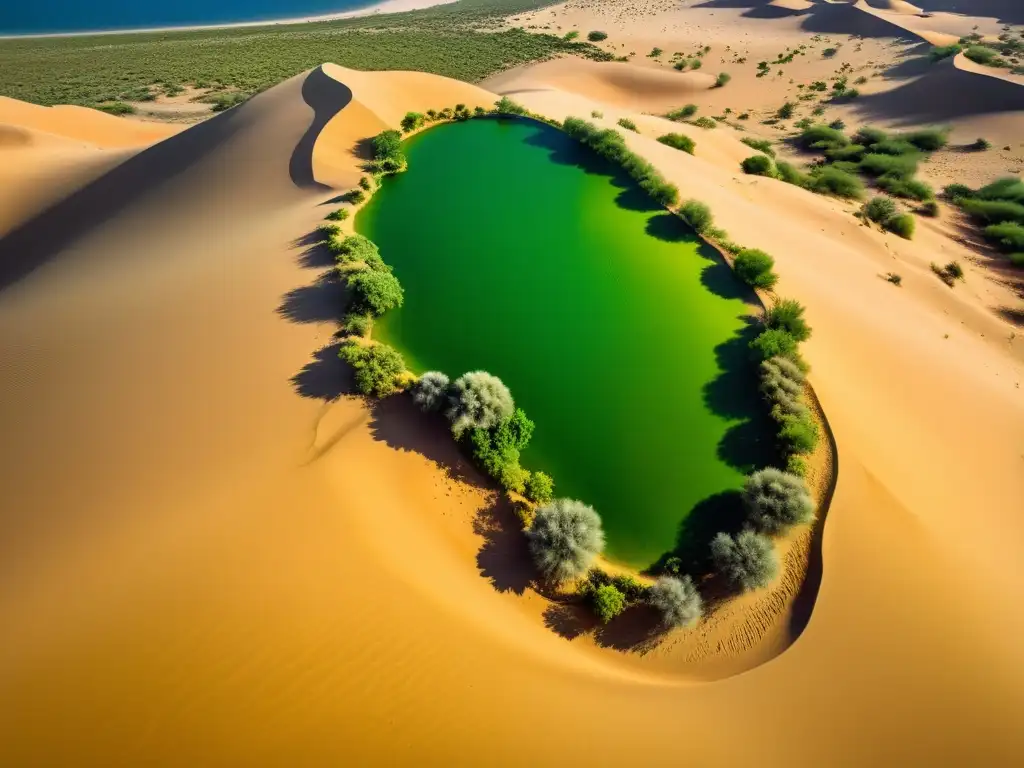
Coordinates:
[622,336]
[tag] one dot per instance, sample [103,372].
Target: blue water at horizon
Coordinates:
[54,16]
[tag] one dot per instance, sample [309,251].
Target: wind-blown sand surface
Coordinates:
[209,555]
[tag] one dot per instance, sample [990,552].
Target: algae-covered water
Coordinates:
[624,339]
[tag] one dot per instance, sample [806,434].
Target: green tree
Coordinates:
[376,367]
[788,314]
[608,603]
[375,291]
[540,488]
[754,267]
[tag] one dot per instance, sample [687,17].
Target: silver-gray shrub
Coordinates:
[747,561]
[478,400]
[782,385]
[564,539]
[678,600]
[776,500]
[431,391]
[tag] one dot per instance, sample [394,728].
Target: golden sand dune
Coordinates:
[209,556]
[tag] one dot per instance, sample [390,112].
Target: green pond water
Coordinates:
[524,254]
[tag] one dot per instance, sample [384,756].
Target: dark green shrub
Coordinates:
[929,208]
[608,603]
[828,53]
[869,136]
[661,191]
[388,144]
[328,230]
[761,145]
[356,324]
[902,224]
[678,141]
[497,449]
[655,53]
[564,539]
[628,124]
[1009,235]
[785,112]
[355,196]
[849,153]
[412,121]
[776,501]
[430,391]
[774,342]
[754,267]
[940,52]
[992,211]
[981,145]
[880,209]
[683,113]
[758,165]
[120,108]
[788,314]
[571,35]
[505,106]
[912,189]
[597,37]
[364,183]
[375,291]
[956,191]
[796,465]
[892,277]
[478,400]
[746,562]
[678,601]
[954,270]
[705,122]
[894,146]
[1017,259]
[540,488]
[927,139]
[354,248]
[377,367]
[697,215]
[833,181]
[696,63]
[633,590]
[339,214]
[722,80]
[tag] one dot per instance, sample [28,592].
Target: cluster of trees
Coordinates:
[378,368]
[484,419]
[998,208]
[610,145]
[388,156]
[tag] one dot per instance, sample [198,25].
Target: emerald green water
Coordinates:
[525,255]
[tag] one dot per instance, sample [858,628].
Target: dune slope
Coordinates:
[210,556]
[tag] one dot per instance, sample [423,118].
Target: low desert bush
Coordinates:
[338,214]
[697,215]
[430,392]
[790,174]
[758,165]
[683,113]
[939,52]
[893,166]
[678,141]
[776,501]
[833,181]
[747,561]
[1008,188]
[596,36]
[773,342]
[1008,236]
[902,224]
[761,145]
[880,209]
[564,539]
[982,54]
[377,367]
[678,601]
[992,211]
[912,189]
[822,137]
[785,112]
[608,603]
[705,122]
[722,80]
[754,267]
[328,230]
[628,124]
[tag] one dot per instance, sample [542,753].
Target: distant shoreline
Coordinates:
[387,6]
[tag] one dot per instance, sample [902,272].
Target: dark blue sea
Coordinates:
[23,17]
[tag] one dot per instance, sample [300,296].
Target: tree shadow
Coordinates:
[719,278]
[570,620]
[669,228]
[638,629]
[1013,315]
[316,256]
[327,377]
[323,301]
[504,559]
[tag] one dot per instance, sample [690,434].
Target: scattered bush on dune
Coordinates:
[375,291]
[339,214]
[822,137]
[761,145]
[754,267]
[705,122]
[683,113]
[911,189]
[697,215]
[776,501]
[981,54]
[791,174]
[788,314]
[564,539]
[1007,189]
[678,601]
[902,224]
[833,181]
[747,561]
[880,209]
[678,141]
[377,367]
[940,52]
[628,124]
[430,392]
[478,400]
[992,211]
[540,488]
[1008,236]
[722,80]
[596,36]
[758,165]
[328,230]
[894,166]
